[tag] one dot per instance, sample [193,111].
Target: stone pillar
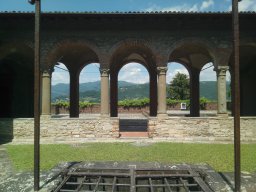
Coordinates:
[221,86]
[153,94]
[114,94]
[104,92]
[74,94]
[46,92]
[194,93]
[161,88]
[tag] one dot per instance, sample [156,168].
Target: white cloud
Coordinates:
[170,73]
[208,74]
[60,74]
[247,5]
[184,7]
[134,73]
[206,4]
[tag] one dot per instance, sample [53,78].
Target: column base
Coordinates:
[223,115]
[162,115]
[104,116]
[45,116]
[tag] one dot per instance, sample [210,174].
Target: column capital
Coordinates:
[46,72]
[221,70]
[162,70]
[104,72]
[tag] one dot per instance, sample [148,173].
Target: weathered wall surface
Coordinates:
[177,129]
[211,129]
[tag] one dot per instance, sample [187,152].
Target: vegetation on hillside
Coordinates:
[127,91]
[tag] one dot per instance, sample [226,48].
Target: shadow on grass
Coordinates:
[6,130]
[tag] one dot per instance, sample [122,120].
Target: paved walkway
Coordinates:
[5,164]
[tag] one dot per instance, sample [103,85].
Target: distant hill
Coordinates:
[91,91]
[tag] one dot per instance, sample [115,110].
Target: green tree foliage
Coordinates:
[179,87]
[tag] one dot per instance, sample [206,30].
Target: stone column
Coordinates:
[46,93]
[161,88]
[114,94]
[104,92]
[221,86]
[194,93]
[74,94]
[153,94]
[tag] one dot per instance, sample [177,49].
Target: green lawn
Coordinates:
[219,156]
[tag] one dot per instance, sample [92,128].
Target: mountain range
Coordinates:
[91,91]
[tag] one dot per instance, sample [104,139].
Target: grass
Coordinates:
[219,156]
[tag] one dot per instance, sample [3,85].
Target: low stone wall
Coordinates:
[201,129]
[96,109]
[176,129]
[60,129]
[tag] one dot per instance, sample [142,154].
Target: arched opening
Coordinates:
[133,52]
[89,89]
[16,82]
[60,85]
[178,89]
[75,55]
[194,55]
[248,80]
[133,89]
[208,90]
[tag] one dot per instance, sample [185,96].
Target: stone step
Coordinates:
[133,125]
[134,134]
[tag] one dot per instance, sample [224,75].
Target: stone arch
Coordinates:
[186,51]
[193,53]
[133,50]
[24,48]
[16,80]
[75,52]
[130,50]
[75,55]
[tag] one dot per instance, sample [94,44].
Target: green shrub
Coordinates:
[134,103]
[61,104]
[85,104]
[203,103]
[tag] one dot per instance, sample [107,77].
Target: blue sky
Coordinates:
[118,5]
[132,72]
[127,5]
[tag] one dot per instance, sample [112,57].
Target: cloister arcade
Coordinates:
[113,40]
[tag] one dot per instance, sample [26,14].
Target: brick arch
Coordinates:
[75,50]
[127,51]
[199,46]
[121,51]
[22,47]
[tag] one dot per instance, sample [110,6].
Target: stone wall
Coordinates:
[58,130]
[176,129]
[96,109]
[201,129]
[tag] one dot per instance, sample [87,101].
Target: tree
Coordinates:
[179,87]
